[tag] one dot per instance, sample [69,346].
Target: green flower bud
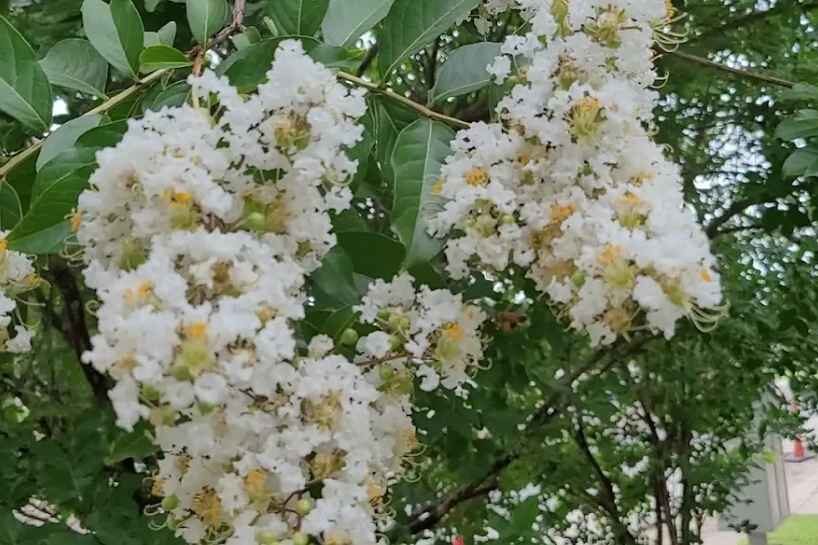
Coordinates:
[266,537]
[303,506]
[300,538]
[349,337]
[170,503]
[395,342]
[255,221]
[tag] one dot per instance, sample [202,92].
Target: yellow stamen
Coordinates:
[477,177]
[561,212]
[196,330]
[610,254]
[208,507]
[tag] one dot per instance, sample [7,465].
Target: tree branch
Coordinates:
[608,499]
[430,516]
[75,328]
[421,109]
[738,72]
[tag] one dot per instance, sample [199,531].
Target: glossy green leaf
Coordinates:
[54,196]
[372,254]
[75,64]
[136,444]
[334,281]
[413,24]
[25,93]
[801,91]
[105,136]
[61,167]
[11,210]
[420,151]
[250,36]
[165,35]
[803,125]
[65,137]
[465,70]
[116,32]
[173,95]
[206,17]
[158,57]
[347,20]
[297,17]
[41,242]
[247,68]
[803,162]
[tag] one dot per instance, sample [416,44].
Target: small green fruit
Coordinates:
[300,538]
[303,506]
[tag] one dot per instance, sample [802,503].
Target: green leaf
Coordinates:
[104,136]
[387,129]
[136,444]
[54,197]
[130,30]
[801,91]
[206,17]
[65,137]
[25,93]
[247,68]
[11,210]
[372,254]
[116,31]
[465,70]
[803,162]
[346,20]
[413,24]
[803,125]
[420,151]
[61,167]
[75,64]
[165,35]
[297,17]
[173,95]
[247,38]
[158,57]
[334,281]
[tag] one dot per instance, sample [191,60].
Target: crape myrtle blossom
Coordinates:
[17,276]
[200,230]
[570,185]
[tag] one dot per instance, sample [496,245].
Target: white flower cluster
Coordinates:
[200,230]
[17,276]
[428,333]
[571,186]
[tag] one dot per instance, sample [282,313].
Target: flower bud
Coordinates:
[303,506]
[349,337]
[266,537]
[170,503]
[300,538]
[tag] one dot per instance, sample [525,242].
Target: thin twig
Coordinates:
[746,74]
[421,109]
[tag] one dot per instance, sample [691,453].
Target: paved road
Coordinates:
[802,483]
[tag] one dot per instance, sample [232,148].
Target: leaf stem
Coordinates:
[421,109]
[18,159]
